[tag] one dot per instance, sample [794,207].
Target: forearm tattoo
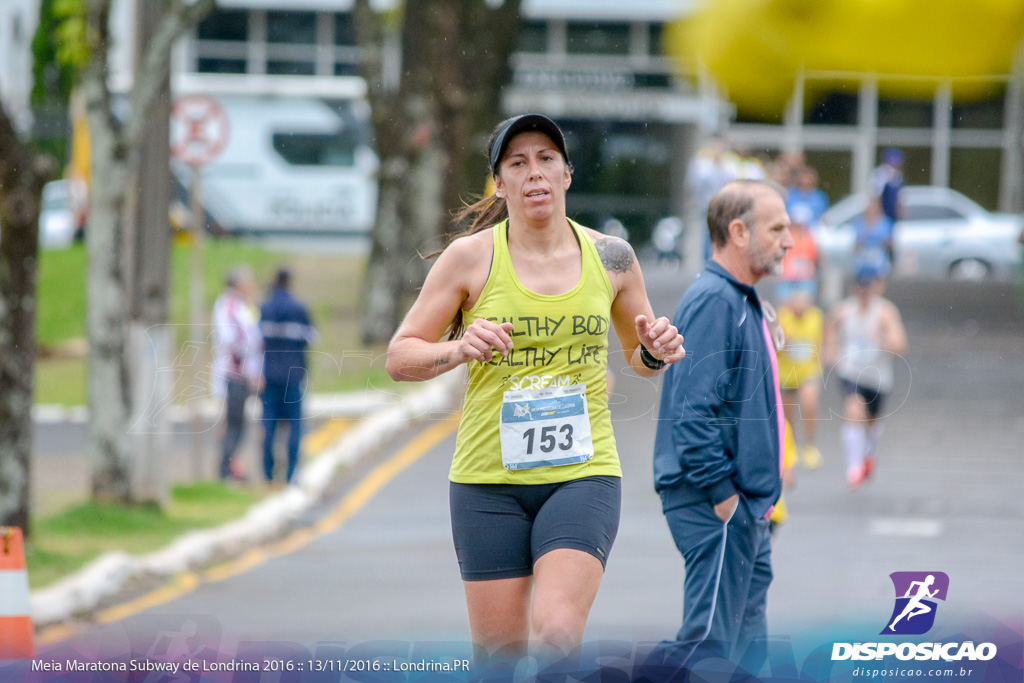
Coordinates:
[616,255]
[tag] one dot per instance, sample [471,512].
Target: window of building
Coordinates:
[975,173]
[834,168]
[317,149]
[837,108]
[225,24]
[652,80]
[216,65]
[346,69]
[285,67]
[905,113]
[533,37]
[344,29]
[656,46]
[598,38]
[291,27]
[623,171]
[980,113]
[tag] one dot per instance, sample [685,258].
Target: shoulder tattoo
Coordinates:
[616,254]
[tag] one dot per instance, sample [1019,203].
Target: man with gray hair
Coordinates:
[719,442]
[239,360]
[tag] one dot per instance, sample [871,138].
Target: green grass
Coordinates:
[64,542]
[60,296]
[329,284]
[61,380]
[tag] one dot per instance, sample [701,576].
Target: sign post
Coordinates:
[199,132]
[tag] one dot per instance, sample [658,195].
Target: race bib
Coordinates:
[800,352]
[545,428]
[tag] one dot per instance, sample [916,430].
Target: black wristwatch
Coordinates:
[650,361]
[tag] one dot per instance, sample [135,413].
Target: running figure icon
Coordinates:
[916,606]
[521,410]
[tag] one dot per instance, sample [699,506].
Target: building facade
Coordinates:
[633,119]
[632,115]
[843,122]
[598,67]
[18,21]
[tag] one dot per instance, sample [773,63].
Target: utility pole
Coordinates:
[148,275]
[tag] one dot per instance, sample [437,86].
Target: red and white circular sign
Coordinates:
[199,129]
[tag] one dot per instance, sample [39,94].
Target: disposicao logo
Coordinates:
[914,615]
[916,593]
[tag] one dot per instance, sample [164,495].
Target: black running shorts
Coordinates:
[500,530]
[873,399]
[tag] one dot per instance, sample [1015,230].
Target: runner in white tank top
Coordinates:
[864,361]
[863,339]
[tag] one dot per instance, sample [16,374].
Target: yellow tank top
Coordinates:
[559,342]
[803,333]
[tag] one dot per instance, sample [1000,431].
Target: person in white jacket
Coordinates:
[239,360]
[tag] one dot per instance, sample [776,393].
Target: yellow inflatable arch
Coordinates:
[755,48]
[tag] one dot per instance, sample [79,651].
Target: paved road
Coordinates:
[947,497]
[62,470]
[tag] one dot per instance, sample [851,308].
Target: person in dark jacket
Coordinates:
[287,332]
[719,442]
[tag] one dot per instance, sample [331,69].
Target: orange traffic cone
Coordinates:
[16,631]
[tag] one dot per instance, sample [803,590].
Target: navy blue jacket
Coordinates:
[287,332]
[718,431]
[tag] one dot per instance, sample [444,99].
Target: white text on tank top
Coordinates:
[863,360]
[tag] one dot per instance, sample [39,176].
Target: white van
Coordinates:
[298,160]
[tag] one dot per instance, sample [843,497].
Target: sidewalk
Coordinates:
[373,419]
[61,467]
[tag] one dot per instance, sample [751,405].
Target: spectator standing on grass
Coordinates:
[287,332]
[239,361]
[718,449]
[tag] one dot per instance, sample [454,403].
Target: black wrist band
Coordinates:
[650,361]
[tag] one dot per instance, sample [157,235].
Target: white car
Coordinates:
[942,234]
[57,224]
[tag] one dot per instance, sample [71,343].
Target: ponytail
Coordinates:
[483,214]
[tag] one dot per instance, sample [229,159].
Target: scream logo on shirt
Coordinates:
[916,595]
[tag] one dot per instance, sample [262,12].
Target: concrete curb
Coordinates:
[352,404]
[103,578]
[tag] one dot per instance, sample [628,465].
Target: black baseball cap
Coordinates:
[521,124]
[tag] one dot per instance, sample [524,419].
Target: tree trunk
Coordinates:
[115,160]
[21,184]
[384,270]
[109,379]
[409,209]
[472,66]
[150,339]
[427,126]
